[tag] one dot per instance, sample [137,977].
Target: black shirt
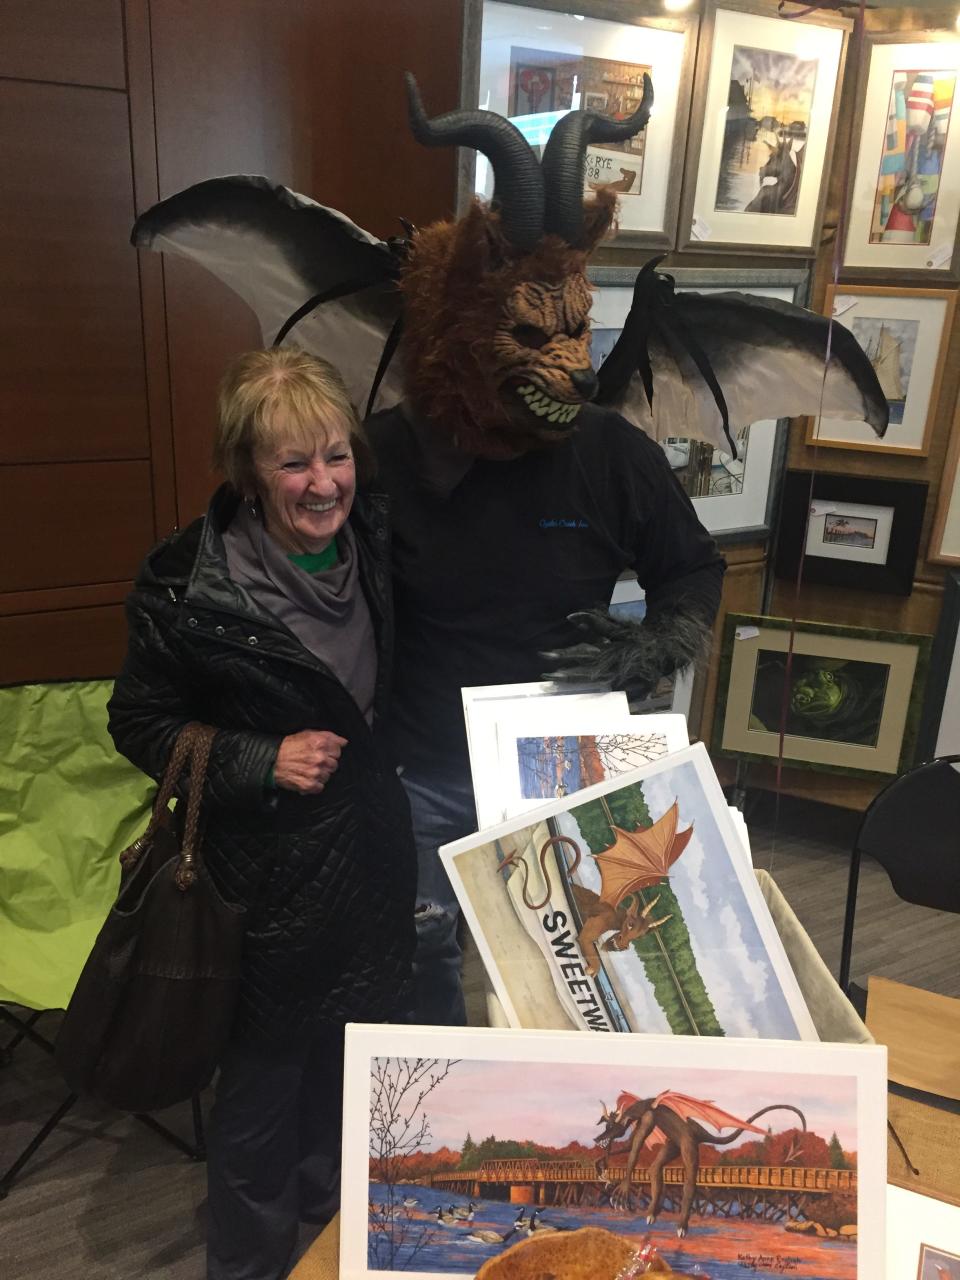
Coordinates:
[485,575]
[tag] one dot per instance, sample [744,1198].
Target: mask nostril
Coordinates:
[585,382]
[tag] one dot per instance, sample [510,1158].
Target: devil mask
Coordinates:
[496,345]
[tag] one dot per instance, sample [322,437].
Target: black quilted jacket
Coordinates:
[328,880]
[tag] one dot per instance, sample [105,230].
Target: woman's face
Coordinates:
[307,493]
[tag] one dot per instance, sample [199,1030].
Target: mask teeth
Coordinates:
[554,411]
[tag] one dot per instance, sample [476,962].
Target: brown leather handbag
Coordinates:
[153,1008]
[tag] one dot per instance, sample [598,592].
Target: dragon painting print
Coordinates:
[723,1159]
[628,906]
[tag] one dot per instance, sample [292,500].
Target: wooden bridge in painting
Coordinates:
[756,1191]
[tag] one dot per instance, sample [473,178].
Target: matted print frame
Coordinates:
[653,226]
[940,722]
[931,339]
[922,1230]
[747,516]
[726,26]
[864,257]
[887,674]
[543,1088]
[945,535]
[662,837]
[891,562]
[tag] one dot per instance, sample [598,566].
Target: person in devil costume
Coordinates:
[516,503]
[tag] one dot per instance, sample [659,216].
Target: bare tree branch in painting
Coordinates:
[399,1127]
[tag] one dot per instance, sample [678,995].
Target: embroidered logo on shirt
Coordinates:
[571,522]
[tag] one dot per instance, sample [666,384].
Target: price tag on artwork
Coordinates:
[940,256]
[747,633]
[822,508]
[700,230]
[843,303]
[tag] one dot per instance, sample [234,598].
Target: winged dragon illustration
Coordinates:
[635,860]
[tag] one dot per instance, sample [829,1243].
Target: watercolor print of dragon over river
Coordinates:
[731,1159]
[629,906]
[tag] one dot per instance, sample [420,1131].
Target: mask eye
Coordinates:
[528,335]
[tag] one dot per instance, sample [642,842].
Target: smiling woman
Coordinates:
[268,620]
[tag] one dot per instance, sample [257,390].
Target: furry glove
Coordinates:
[628,655]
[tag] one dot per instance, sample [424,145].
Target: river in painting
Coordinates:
[714,1249]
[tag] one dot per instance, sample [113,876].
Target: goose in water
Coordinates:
[446,1217]
[410,1202]
[465,1215]
[537,1228]
[483,1236]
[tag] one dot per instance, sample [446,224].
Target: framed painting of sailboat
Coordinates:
[905,333]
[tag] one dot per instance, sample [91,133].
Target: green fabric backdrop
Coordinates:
[68,805]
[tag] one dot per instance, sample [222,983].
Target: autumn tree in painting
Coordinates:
[399,1130]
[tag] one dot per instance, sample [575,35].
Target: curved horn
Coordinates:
[518,190]
[564,156]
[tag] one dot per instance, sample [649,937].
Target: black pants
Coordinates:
[273,1156]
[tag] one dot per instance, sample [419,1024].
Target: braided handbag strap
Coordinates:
[192,747]
[201,742]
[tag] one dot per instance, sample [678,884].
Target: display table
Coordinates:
[833,1015]
[322,1259]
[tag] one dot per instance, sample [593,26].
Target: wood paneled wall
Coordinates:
[109,359]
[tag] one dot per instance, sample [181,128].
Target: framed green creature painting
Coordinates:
[837,698]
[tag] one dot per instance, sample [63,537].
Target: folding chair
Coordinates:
[75,804]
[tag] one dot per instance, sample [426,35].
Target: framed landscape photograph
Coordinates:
[467,1140]
[940,722]
[851,531]
[945,537]
[763,124]
[734,497]
[905,333]
[535,62]
[594,912]
[842,699]
[905,197]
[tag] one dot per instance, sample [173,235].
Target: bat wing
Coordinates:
[681,355]
[703,1111]
[640,858]
[280,251]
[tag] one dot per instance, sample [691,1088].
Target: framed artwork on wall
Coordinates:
[904,202]
[851,531]
[735,498]
[534,62]
[847,698]
[905,333]
[763,123]
[940,722]
[945,538]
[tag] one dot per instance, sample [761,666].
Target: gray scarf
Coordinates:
[326,611]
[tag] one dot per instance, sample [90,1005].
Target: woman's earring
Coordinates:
[252,507]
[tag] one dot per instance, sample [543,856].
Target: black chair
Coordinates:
[912,828]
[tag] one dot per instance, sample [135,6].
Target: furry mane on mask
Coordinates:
[464,287]
[496,345]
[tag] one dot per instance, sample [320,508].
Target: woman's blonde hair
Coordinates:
[281,396]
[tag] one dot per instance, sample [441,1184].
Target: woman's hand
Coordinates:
[306,760]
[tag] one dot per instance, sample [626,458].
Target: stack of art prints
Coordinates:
[629,906]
